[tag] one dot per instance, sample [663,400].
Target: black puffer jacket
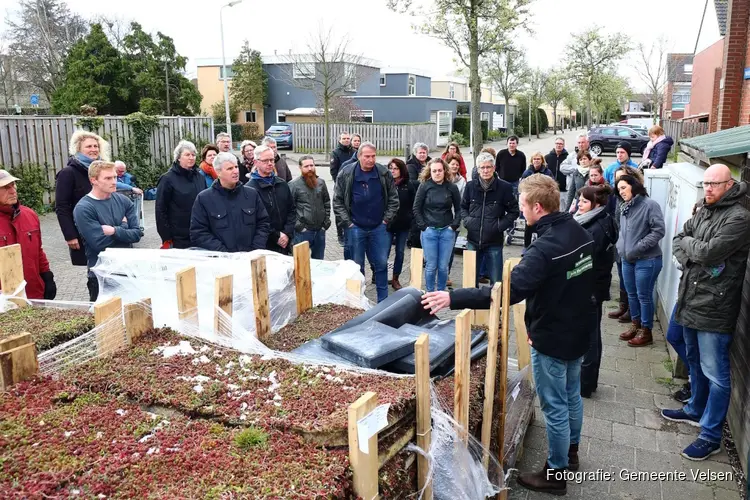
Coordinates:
[175,196]
[229,220]
[437,205]
[553,163]
[415,168]
[404,219]
[338,156]
[488,214]
[279,203]
[71,184]
[602,229]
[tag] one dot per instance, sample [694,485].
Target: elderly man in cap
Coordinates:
[19,224]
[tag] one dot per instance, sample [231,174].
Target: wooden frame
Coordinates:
[364,465]
[260,299]
[415,267]
[302,277]
[18,360]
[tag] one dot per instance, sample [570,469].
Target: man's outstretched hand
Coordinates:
[435,301]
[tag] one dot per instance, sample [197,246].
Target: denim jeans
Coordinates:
[375,243]
[640,279]
[619,274]
[708,359]
[676,338]
[453,251]
[492,257]
[399,241]
[317,240]
[558,385]
[593,357]
[437,244]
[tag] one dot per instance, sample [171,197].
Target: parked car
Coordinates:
[282,132]
[605,139]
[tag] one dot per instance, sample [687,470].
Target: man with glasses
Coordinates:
[554,159]
[712,252]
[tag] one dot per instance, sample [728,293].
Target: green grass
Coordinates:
[668,365]
[251,437]
[665,381]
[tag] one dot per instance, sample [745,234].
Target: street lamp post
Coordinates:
[224,67]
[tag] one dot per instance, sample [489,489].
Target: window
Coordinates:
[382,80]
[281,115]
[484,117]
[230,72]
[350,73]
[362,115]
[412,85]
[451,91]
[680,96]
[624,132]
[688,69]
[608,131]
[250,116]
[303,70]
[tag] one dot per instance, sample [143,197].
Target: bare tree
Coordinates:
[41,33]
[115,27]
[473,29]
[652,68]
[9,85]
[507,71]
[537,84]
[328,70]
[555,90]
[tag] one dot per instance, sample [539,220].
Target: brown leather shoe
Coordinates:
[617,313]
[625,318]
[395,284]
[642,338]
[573,463]
[632,331]
[544,481]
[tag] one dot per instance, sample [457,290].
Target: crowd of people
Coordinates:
[580,219]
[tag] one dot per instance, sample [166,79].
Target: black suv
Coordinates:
[605,139]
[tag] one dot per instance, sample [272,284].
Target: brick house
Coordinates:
[677,90]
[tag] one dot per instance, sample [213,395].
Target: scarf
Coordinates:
[651,145]
[268,180]
[588,216]
[208,170]
[485,184]
[626,206]
[84,160]
[584,171]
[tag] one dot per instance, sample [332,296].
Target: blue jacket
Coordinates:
[659,153]
[530,171]
[229,220]
[609,172]
[126,180]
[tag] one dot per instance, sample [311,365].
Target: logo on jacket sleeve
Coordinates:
[583,265]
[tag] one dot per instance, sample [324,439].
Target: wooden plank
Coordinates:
[139,319]
[364,465]
[354,293]
[223,301]
[469,279]
[187,295]
[424,418]
[17,364]
[522,337]
[11,270]
[493,336]
[260,299]
[15,341]
[417,257]
[302,277]
[110,330]
[461,376]
[504,341]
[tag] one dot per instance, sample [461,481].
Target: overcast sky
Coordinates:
[380,34]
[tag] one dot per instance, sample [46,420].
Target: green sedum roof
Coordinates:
[732,141]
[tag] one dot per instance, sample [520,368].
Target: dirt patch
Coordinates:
[48,326]
[311,325]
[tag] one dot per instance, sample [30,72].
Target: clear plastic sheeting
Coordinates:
[135,274]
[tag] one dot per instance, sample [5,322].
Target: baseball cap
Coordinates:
[6,178]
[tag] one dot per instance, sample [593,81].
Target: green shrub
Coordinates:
[485,130]
[251,132]
[236,131]
[494,135]
[34,184]
[251,437]
[459,139]
[462,125]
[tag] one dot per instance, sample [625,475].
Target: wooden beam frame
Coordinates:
[260,299]
[364,465]
[424,417]
[302,277]
[461,375]
[223,301]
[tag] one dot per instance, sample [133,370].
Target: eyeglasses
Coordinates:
[713,184]
[269,160]
[486,167]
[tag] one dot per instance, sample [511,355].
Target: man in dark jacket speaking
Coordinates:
[229,217]
[712,251]
[556,279]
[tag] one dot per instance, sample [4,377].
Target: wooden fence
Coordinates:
[390,139]
[44,140]
[679,129]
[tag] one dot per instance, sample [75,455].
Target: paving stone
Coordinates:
[658,370]
[636,490]
[616,379]
[574,491]
[654,354]
[517,493]
[663,402]
[726,481]
[649,419]
[658,461]
[633,367]
[604,393]
[596,428]
[672,441]
[536,437]
[722,494]
[605,455]
[608,364]
[649,384]
[614,412]
[588,406]
[679,490]
[635,398]
[634,436]
[532,459]
[619,352]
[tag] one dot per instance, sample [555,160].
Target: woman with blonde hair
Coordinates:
[72,183]
[538,166]
[657,149]
[452,149]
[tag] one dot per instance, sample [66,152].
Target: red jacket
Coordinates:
[461,165]
[19,224]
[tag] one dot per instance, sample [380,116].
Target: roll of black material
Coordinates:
[371,344]
[403,306]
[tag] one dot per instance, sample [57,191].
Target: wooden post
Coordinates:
[354,291]
[139,319]
[424,418]
[223,299]
[260,299]
[504,338]
[470,274]
[417,258]
[187,295]
[302,277]
[11,273]
[522,337]
[110,330]
[17,360]
[493,336]
[461,376]
[364,465]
